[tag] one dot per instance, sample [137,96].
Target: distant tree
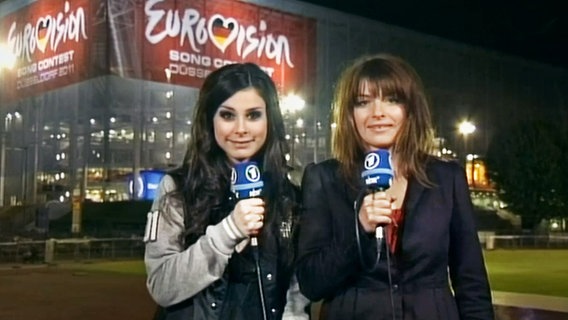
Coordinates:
[528,164]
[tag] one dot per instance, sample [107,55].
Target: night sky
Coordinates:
[532,29]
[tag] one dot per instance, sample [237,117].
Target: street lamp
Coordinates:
[291,104]
[7,57]
[466,128]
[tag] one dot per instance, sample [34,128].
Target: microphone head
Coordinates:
[246,181]
[377,172]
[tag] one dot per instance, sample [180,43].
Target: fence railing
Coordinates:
[53,250]
[84,249]
[526,242]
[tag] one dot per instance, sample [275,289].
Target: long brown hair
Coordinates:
[388,75]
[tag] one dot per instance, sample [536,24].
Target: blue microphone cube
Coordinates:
[377,172]
[246,180]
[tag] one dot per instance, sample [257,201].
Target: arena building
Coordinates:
[97,96]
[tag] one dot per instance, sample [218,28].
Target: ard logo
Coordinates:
[372,161]
[252,173]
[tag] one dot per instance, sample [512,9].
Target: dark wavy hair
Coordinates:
[388,75]
[204,177]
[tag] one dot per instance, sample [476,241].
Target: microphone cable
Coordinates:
[379,242]
[389,274]
[356,208]
[256,256]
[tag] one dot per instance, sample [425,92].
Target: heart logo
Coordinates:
[43,29]
[222,31]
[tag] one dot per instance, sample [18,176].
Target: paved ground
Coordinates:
[531,301]
[51,293]
[514,313]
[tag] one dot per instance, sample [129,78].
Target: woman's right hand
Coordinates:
[249,216]
[376,210]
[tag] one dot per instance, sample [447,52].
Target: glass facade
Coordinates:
[105,92]
[86,110]
[88,138]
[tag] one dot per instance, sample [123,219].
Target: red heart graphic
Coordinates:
[222,31]
[43,31]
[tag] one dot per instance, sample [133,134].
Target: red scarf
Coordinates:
[393,231]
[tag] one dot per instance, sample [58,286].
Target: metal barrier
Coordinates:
[526,242]
[84,249]
[53,250]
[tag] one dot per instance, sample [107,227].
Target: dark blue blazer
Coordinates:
[437,272]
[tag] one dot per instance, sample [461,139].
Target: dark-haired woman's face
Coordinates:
[241,125]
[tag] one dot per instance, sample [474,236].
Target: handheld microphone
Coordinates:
[246,182]
[378,175]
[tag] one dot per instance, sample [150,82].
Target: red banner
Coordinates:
[57,42]
[51,42]
[185,40]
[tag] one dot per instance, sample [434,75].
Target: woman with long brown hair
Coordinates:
[430,265]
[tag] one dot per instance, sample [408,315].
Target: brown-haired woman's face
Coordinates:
[377,119]
[241,125]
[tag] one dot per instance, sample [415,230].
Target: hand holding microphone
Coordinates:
[246,185]
[376,209]
[249,216]
[375,212]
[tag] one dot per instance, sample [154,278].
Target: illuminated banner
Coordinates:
[185,40]
[52,42]
[58,42]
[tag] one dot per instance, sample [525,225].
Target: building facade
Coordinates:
[102,92]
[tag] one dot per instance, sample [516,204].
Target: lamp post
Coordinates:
[466,128]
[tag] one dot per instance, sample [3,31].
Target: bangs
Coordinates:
[381,80]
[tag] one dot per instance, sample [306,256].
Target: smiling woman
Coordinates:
[198,254]
[380,103]
[241,125]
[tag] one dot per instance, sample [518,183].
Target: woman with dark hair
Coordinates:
[199,261]
[430,266]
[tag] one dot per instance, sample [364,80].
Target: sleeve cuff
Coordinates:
[232,229]
[225,235]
